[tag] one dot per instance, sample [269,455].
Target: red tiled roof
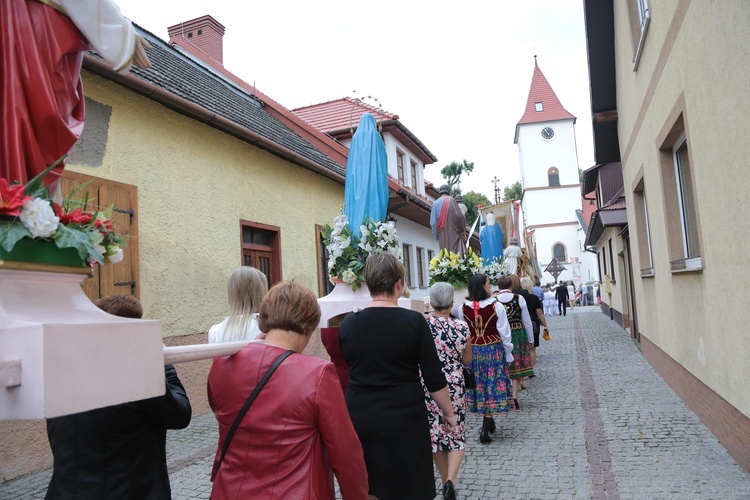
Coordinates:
[541,91]
[589,207]
[341,114]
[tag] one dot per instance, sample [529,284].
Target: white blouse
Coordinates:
[506,296]
[218,333]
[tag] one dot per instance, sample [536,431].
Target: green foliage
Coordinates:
[452,174]
[10,233]
[513,192]
[471,200]
[451,268]
[75,236]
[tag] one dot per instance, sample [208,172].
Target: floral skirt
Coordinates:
[493,393]
[521,365]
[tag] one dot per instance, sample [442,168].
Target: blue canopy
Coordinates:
[366,185]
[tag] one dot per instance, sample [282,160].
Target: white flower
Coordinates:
[39,218]
[114,254]
[346,243]
[349,277]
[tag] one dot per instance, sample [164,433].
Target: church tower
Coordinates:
[548,159]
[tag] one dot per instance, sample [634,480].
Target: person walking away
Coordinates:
[571,294]
[584,294]
[453,344]
[522,335]
[118,452]
[550,303]
[245,290]
[492,350]
[297,418]
[537,317]
[561,294]
[538,291]
[385,347]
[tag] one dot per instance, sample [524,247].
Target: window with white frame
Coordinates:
[400,166]
[413,169]
[643,231]
[686,199]
[640,29]
[538,107]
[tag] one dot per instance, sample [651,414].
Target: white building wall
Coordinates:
[417,236]
[392,145]
[550,206]
[537,156]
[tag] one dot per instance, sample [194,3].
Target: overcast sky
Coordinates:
[456,74]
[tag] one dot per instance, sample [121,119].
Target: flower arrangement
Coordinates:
[452,268]
[347,253]
[495,269]
[27,212]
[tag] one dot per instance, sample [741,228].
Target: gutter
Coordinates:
[206,116]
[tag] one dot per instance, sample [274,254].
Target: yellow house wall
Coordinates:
[616,300]
[195,184]
[697,318]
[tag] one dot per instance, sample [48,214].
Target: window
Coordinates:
[678,186]
[611,261]
[539,107]
[558,252]
[644,231]
[200,32]
[599,265]
[420,267]
[261,249]
[604,261]
[407,264]
[640,19]
[400,166]
[413,167]
[430,255]
[686,199]
[553,176]
[190,34]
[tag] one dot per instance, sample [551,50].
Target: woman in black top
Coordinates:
[385,347]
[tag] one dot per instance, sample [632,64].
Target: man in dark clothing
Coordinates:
[118,451]
[561,293]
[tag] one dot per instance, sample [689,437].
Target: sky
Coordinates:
[456,74]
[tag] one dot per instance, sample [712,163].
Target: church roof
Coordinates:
[541,92]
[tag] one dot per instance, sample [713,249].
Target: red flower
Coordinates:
[12,198]
[107,224]
[77,216]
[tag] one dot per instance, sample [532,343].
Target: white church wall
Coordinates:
[538,155]
[547,237]
[550,206]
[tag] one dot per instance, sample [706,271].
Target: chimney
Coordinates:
[204,33]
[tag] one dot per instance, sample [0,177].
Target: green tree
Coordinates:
[513,192]
[471,200]
[452,174]
[580,175]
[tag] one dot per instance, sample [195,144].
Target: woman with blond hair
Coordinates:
[385,347]
[296,429]
[245,289]
[522,334]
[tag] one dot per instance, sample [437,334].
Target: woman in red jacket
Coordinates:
[298,428]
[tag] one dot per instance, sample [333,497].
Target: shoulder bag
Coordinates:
[247,404]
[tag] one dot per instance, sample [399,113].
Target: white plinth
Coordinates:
[74,357]
[343,300]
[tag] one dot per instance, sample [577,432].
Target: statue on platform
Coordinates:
[512,253]
[448,222]
[41,100]
[491,238]
[366,184]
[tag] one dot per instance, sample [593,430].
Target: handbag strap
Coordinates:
[249,401]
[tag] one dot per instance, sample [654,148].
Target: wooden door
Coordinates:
[110,279]
[261,260]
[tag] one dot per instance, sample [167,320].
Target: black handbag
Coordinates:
[470,381]
[247,404]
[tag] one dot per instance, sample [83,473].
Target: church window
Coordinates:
[553,175]
[558,252]
[539,107]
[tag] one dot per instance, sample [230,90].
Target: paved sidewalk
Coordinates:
[596,422]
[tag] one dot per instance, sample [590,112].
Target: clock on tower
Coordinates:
[548,133]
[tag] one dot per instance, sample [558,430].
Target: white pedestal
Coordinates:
[73,356]
[343,300]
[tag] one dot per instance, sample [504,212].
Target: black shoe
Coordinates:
[449,491]
[515,402]
[492,426]
[484,435]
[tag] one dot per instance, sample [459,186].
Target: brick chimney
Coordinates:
[204,33]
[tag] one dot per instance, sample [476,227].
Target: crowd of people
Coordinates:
[289,422]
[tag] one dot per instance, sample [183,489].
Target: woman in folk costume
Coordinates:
[492,350]
[41,52]
[522,334]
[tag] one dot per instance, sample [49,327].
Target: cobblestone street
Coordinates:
[596,422]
